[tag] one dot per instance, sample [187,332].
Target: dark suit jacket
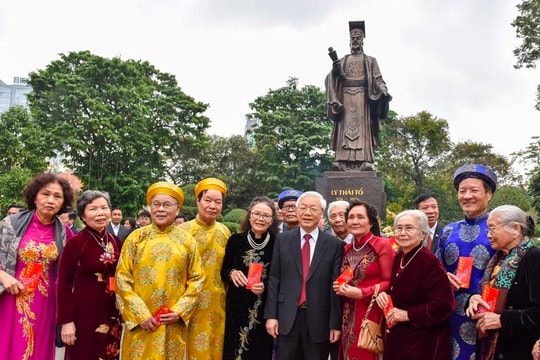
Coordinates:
[74,229]
[285,281]
[122,231]
[436,236]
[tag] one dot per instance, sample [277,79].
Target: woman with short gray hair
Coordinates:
[85,293]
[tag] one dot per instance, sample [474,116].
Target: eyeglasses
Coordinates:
[289,208]
[490,230]
[407,229]
[258,215]
[166,205]
[312,210]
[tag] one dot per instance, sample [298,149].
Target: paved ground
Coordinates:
[59,354]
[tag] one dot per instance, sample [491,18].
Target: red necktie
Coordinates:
[429,242]
[305,268]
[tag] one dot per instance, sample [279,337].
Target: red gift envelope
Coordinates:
[389,307]
[490,295]
[254,274]
[162,310]
[30,276]
[345,276]
[464,270]
[112,284]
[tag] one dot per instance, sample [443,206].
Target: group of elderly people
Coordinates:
[194,291]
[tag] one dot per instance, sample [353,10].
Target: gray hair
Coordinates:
[510,214]
[420,217]
[337,203]
[87,197]
[314,194]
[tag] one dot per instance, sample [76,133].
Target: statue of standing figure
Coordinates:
[356,100]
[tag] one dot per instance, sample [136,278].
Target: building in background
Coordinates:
[15,94]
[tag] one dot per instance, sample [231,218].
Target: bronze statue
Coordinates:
[356,100]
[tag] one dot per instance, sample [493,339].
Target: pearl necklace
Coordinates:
[408,262]
[361,247]
[256,246]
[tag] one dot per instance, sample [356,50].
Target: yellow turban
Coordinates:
[211,184]
[167,188]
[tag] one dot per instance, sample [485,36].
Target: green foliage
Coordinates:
[23,143]
[24,153]
[411,153]
[534,192]
[232,226]
[528,161]
[12,183]
[235,215]
[114,122]
[527,25]
[291,143]
[190,202]
[511,195]
[228,159]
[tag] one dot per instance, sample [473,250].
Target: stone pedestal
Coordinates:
[353,185]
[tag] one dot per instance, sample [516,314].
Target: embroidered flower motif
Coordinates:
[107,258]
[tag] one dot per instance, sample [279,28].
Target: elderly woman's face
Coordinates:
[49,200]
[407,233]
[260,219]
[502,236]
[97,214]
[358,221]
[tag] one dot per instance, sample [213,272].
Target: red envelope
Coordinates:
[490,295]
[162,310]
[464,270]
[389,307]
[254,274]
[112,283]
[345,276]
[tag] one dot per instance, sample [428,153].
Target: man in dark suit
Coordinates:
[115,227]
[68,218]
[427,203]
[304,319]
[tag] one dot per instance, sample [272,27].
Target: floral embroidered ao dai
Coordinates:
[85,296]
[27,325]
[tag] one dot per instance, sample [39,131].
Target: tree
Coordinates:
[291,142]
[470,152]
[411,153]
[511,195]
[24,153]
[114,122]
[23,142]
[528,161]
[227,158]
[534,192]
[527,25]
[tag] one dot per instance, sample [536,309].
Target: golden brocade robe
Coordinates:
[206,329]
[157,268]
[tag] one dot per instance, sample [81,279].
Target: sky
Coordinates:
[451,58]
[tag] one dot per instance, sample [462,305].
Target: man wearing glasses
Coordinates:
[158,280]
[287,204]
